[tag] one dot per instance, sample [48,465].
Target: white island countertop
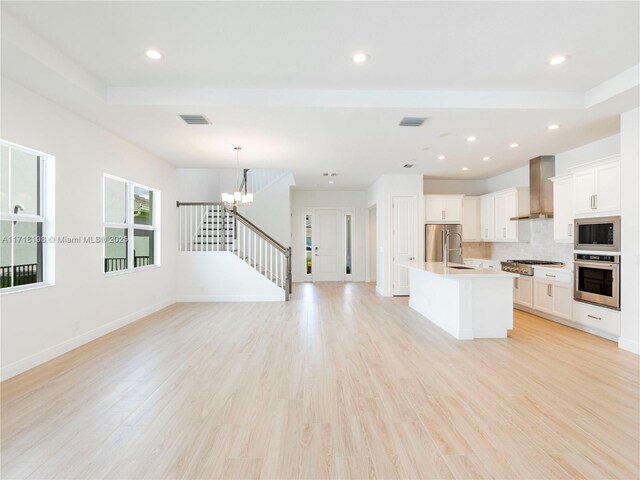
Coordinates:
[438,268]
[465,302]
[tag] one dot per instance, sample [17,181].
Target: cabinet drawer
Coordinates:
[603,319]
[562,276]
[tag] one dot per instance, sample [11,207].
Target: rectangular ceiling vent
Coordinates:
[412,121]
[195,119]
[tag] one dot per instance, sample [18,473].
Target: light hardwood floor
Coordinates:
[337,383]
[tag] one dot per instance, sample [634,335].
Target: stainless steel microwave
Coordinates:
[597,233]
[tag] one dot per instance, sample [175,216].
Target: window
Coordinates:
[308,244]
[25,217]
[131,225]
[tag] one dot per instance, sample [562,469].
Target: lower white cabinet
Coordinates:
[552,297]
[597,318]
[523,291]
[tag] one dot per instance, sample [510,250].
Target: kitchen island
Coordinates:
[465,302]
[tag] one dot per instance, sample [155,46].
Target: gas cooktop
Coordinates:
[525,267]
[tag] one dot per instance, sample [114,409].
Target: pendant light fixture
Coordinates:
[240,197]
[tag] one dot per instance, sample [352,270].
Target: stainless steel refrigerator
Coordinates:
[433,243]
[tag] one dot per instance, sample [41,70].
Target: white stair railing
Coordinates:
[210,227]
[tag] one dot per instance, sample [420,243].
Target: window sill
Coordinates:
[133,270]
[26,288]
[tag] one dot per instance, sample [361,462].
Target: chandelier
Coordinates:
[240,197]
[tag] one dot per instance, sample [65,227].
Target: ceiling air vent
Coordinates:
[412,121]
[195,119]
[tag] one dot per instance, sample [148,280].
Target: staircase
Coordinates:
[211,227]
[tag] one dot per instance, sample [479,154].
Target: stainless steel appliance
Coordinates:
[597,279]
[525,267]
[541,169]
[433,235]
[597,233]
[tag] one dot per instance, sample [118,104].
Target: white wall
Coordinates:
[630,202]
[380,194]
[271,210]
[301,199]
[222,277]
[605,147]
[84,303]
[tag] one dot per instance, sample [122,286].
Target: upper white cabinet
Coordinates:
[443,208]
[471,219]
[496,213]
[563,209]
[487,217]
[597,189]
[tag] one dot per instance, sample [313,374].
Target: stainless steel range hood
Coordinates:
[540,187]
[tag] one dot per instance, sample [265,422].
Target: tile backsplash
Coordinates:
[541,247]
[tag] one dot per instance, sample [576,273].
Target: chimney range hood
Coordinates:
[540,187]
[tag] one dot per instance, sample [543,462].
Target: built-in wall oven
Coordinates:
[597,233]
[597,279]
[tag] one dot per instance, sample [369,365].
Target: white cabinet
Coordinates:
[506,207]
[563,209]
[542,295]
[471,219]
[552,292]
[523,291]
[487,217]
[608,187]
[496,213]
[597,189]
[443,208]
[597,318]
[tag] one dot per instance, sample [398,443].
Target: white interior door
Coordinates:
[403,240]
[328,247]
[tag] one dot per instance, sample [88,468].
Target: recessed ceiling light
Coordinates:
[471,139]
[331,182]
[464,169]
[360,57]
[153,54]
[486,158]
[441,157]
[553,126]
[557,60]
[514,145]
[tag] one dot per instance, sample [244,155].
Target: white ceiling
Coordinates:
[277,78]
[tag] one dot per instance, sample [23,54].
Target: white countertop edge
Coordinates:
[437,268]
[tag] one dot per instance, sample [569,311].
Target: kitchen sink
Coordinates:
[463,268]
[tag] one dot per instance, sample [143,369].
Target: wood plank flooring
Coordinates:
[337,383]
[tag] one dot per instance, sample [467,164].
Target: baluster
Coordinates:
[190,228]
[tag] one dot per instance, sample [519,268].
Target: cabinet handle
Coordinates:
[504,232]
[570,230]
[595,318]
[549,275]
[595,201]
[486,232]
[516,283]
[443,215]
[549,290]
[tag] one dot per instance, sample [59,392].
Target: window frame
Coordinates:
[45,217]
[130,226]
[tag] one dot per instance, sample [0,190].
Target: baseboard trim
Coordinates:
[629,345]
[231,298]
[61,348]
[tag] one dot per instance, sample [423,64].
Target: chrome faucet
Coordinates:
[445,245]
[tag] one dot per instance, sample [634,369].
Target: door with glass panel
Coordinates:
[329,244]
